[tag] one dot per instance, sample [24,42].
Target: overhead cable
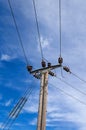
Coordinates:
[68,84]
[78,77]
[19,36]
[17,109]
[69,71]
[66,93]
[20,108]
[18,112]
[60,29]
[60,35]
[37,25]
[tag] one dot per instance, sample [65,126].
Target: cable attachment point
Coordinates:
[43,63]
[66,69]
[60,60]
[52,73]
[49,64]
[29,68]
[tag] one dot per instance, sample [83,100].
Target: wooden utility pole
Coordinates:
[42,74]
[40,103]
[43,102]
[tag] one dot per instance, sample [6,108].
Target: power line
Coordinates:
[22,105]
[60,31]
[17,109]
[71,86]
[15,116]
[37,25]
[60,34]
[68,70]
[26,94]
[66,93]
[19,36]
[78,77]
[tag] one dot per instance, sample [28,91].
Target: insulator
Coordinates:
[49,64]
[43,63]
[36,76]
[29,68]
[51,73]
[66,69]
[60,60]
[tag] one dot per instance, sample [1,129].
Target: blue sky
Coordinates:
[63,112]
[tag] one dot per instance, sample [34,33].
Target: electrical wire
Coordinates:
[14,118]
[60,30]
[66,93]
[75,75]
[19,36]
[26,98]
[38,31]
[17,108]
[12,113]
[71,86]
[60,33]
[10,125]
[78,77]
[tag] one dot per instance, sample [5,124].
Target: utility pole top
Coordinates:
[45,69]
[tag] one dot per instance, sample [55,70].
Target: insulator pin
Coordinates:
[51,73]
[60,60]
[66,69]
[49,64]
[36,76]
[29,68]
[43,63]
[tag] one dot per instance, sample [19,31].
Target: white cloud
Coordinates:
[5,57]
[34,121]
[31,109]
[1,125]
[44,42]
[8,103]
[32,106]
[18,124]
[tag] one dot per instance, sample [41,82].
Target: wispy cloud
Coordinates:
[8,103]
[34,121]
[1,125]
[44,42]
[5,57]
